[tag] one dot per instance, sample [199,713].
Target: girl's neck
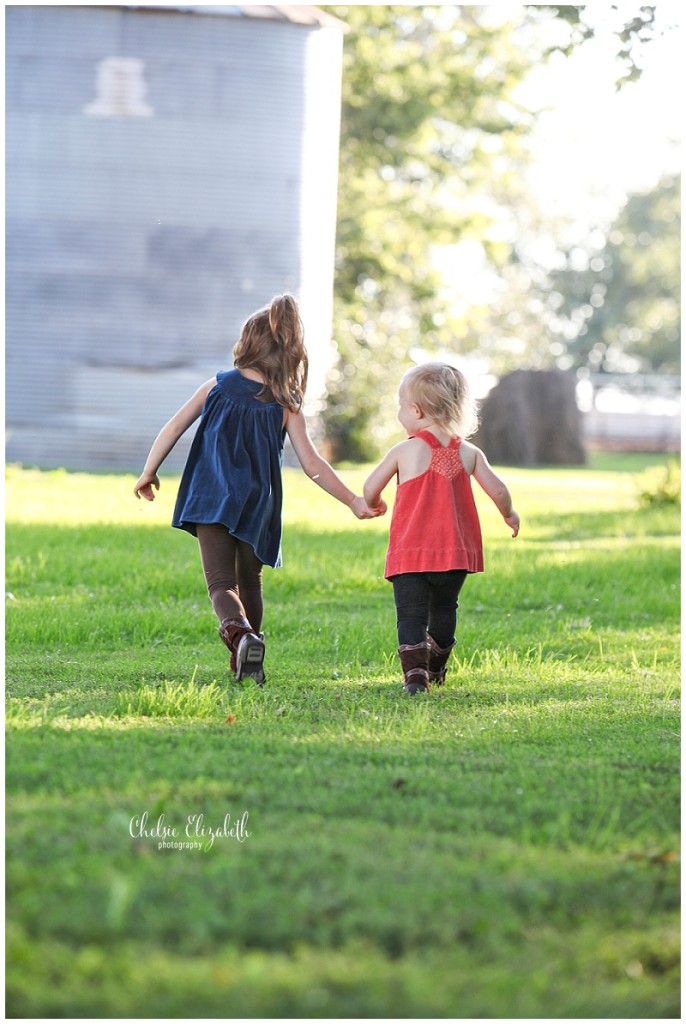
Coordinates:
[440,433]
[251,374]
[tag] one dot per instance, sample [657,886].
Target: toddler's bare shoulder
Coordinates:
[469,454]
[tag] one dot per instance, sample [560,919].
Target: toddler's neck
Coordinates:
[440,433]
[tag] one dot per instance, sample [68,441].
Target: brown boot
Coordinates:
[247,649]
[438,660]
[414,659]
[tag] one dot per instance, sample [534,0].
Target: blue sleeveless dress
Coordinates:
[233,471]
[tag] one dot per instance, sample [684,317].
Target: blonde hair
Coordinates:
[272,342]
[443,394]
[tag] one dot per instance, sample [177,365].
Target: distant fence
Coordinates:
[631,412]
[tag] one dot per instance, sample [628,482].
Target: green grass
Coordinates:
[502,847]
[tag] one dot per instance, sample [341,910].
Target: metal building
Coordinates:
[169,169]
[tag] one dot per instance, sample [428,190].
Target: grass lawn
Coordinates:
[505,846]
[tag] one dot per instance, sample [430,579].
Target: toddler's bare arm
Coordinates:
[495,488]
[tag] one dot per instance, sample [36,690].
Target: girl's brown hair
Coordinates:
[272,342]
[443,394]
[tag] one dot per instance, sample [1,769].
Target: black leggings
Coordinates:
[233,574]
[426,602]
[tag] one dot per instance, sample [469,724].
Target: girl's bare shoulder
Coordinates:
[414,444]
[414,458]
[410,448]
[469,453]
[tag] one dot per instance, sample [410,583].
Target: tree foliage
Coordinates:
[618,307]
[612,305]
[632,34]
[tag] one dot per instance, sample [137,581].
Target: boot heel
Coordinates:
[250,658]
[438,660]
[414,659]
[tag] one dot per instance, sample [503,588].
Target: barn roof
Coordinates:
[299,14]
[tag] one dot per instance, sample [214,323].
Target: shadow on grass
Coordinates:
[157,564]
[603,527]
[497,769]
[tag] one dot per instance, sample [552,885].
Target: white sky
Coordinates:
[596,145]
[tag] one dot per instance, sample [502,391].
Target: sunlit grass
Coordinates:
[59,497]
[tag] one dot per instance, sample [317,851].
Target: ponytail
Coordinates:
[272,342]
[284,317]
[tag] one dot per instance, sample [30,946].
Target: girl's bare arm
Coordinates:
[379,477]
[492,484]
[319,470]
[167,438]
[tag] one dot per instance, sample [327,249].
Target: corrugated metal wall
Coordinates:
[167,173]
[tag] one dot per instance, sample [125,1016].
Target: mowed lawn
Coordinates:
[505,846]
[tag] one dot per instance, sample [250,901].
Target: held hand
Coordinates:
[513,522]
[361,509]
[145,486]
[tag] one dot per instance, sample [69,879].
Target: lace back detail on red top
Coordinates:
[446,461]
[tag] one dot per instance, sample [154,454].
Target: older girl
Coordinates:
[230,496]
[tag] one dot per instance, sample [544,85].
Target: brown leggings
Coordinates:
[233,574]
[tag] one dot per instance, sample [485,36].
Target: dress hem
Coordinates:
[184,525]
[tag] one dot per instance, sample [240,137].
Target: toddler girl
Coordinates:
[230,496]
[435,536]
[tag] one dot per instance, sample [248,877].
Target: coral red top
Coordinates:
[435,525]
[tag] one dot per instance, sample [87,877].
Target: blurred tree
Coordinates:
[617,307]
[632,34]
[611,305]
[432,152]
